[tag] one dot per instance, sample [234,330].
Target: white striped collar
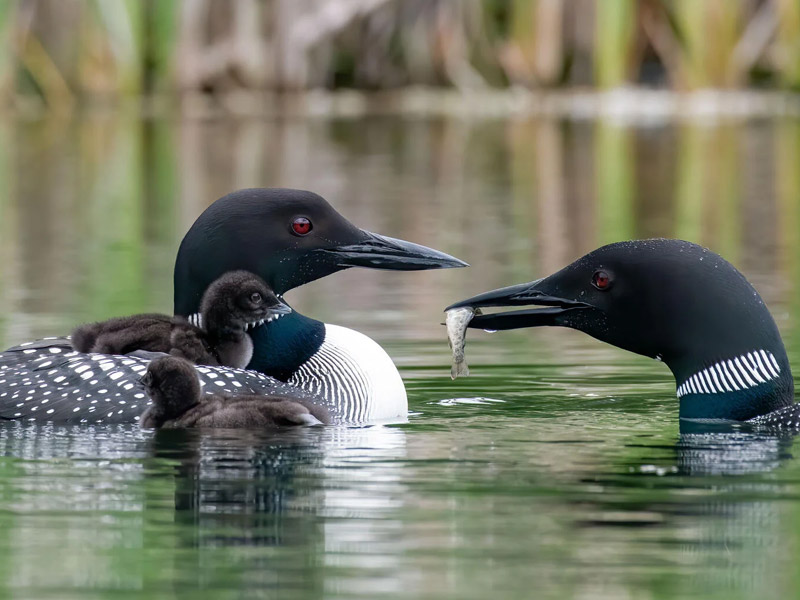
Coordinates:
[356,376]
[739,373]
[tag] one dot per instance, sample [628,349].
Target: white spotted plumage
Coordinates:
[741,372]
[350,374]
[97,388]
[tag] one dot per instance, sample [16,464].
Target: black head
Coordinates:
[238,301]
[172,385]
[667,299]
[288,238]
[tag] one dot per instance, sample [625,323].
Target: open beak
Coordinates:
[525,294]
[383,252]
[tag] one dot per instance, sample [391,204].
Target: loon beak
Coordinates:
[278,310]
[522,294]
[383,252]
[273,312]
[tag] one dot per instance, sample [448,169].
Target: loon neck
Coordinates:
[736,387]
[280,347]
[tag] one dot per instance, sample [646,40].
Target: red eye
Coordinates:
[601,280]
[301,226]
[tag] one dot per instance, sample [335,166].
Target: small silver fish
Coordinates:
[457,320]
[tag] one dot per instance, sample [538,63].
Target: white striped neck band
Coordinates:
[740,373]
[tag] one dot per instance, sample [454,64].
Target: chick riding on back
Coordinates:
[234,303]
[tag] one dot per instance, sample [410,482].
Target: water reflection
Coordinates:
[570,476]
[729,453]
[94,208]
[356,511]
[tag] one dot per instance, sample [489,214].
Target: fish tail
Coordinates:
[459,369]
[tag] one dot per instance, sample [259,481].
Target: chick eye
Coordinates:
[601,280]
[255,298]
[301,226]
[148,378]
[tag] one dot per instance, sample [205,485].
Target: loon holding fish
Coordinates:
[288,238]
[673,301]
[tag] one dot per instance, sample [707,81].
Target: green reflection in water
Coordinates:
[558,467]
[614,180]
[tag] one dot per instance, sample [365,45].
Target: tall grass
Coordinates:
[614,28]
[60,51]
[787,46]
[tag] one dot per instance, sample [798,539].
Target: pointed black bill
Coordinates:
[383,252]
[524,294]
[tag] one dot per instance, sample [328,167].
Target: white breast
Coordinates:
[357,374]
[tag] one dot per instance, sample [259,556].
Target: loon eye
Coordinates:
[255,298]
[601,280]
[301,226]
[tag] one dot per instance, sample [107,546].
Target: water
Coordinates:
[556,470]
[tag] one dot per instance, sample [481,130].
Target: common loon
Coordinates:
[676,302]
[178,402]
[288,238]
[231,305]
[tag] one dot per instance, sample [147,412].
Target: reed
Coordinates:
[614,41]
[787,45]
[62,51]
[710,30]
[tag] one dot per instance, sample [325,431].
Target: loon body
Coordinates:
[177,402]
[286,237]
[676,302]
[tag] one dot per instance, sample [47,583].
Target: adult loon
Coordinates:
[676,302]
[288,238]
[178,402]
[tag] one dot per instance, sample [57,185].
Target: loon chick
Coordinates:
[676,302]
[286,237]
[231,305]
[178,402]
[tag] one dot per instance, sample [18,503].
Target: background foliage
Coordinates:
[56,50]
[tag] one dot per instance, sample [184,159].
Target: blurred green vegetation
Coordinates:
[62,51]
[93,207]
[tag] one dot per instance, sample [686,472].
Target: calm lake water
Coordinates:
[556,470]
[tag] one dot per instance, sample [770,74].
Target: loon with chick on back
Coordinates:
[673,301]
[288,238]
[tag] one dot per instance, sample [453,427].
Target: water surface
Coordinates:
[557,470]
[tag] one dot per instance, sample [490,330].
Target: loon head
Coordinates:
[238,301]
[173,387]
[288,238]
[670,300]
